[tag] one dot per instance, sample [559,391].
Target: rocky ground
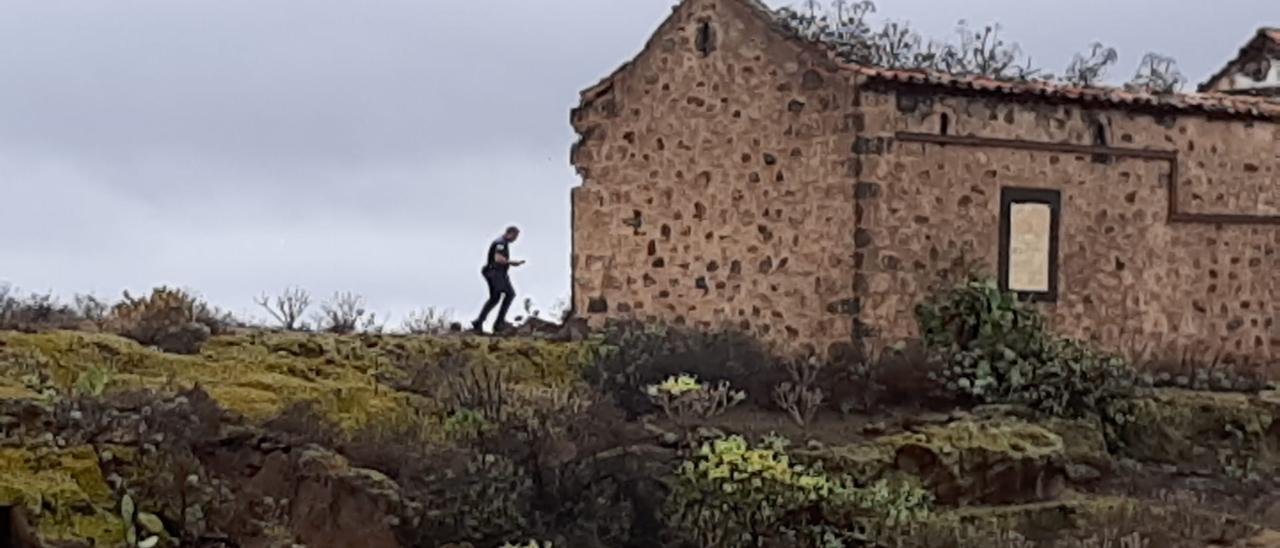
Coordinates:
[275,439]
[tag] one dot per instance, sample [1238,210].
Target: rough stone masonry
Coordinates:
[735,174]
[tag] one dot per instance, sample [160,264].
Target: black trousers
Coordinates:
[500,290]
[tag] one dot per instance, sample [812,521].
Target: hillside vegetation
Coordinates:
[990,432]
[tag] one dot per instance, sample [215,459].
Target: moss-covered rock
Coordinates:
[1205,431]
[1090,521]
[967,461]
[352,379]
[63,492]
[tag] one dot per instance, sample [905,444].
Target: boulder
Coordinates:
[1000,461]
[61,494]
[1203,431]
[336,505]
[187,338]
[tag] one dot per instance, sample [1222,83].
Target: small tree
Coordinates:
[1087,71]
[288,307]
[1157,74]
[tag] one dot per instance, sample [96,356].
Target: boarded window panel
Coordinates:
[1029,221]
[1029,247]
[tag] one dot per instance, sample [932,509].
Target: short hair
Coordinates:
[513,229]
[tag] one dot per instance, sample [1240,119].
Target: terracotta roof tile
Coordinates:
[1256,107]
[1213,103]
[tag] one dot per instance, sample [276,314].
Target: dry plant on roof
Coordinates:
[1157,74]
[1089,70]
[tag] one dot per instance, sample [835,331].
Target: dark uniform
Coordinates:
[495,274]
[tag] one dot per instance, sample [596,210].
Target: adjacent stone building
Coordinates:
[734,173]
[1255,71]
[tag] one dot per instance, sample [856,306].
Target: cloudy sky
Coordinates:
[240,146]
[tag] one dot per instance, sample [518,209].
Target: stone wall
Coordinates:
[1129,277]
[733,175]
[716,184]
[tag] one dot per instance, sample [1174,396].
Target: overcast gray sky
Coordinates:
[240,146]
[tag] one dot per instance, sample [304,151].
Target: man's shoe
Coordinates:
[477,326]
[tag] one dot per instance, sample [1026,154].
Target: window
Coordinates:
[1029,226]
[706,39]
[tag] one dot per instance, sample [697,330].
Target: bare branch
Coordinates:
[288,307]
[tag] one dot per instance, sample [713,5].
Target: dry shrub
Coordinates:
[41,312]
[169,319]
[287,308]
[801,397]
[344,314]
[894,378]
[428,321]
[481,388]
[302,423]
[399,445]
[636,355]
[1199,367]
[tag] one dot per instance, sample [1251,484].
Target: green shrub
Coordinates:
[990,347]
[730,494]
[42,312]
[467,425]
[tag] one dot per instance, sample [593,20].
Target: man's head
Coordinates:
[511,234]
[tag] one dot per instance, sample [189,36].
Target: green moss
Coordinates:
[1202,429]
[64,493]
[1069,513]
[14,390]
[258,374]
[1092,521]
[1082,439]
[997,461]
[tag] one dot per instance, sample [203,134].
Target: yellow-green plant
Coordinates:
[730,494]
[94,381]
[466,424]
[682,397]
[132,518]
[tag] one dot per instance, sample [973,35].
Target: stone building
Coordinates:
[735,173]
[1255,71]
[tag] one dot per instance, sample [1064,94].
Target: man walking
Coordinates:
[495,275]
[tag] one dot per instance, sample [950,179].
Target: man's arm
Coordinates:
[500,258]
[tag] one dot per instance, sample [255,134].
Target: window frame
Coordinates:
[1022,195]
